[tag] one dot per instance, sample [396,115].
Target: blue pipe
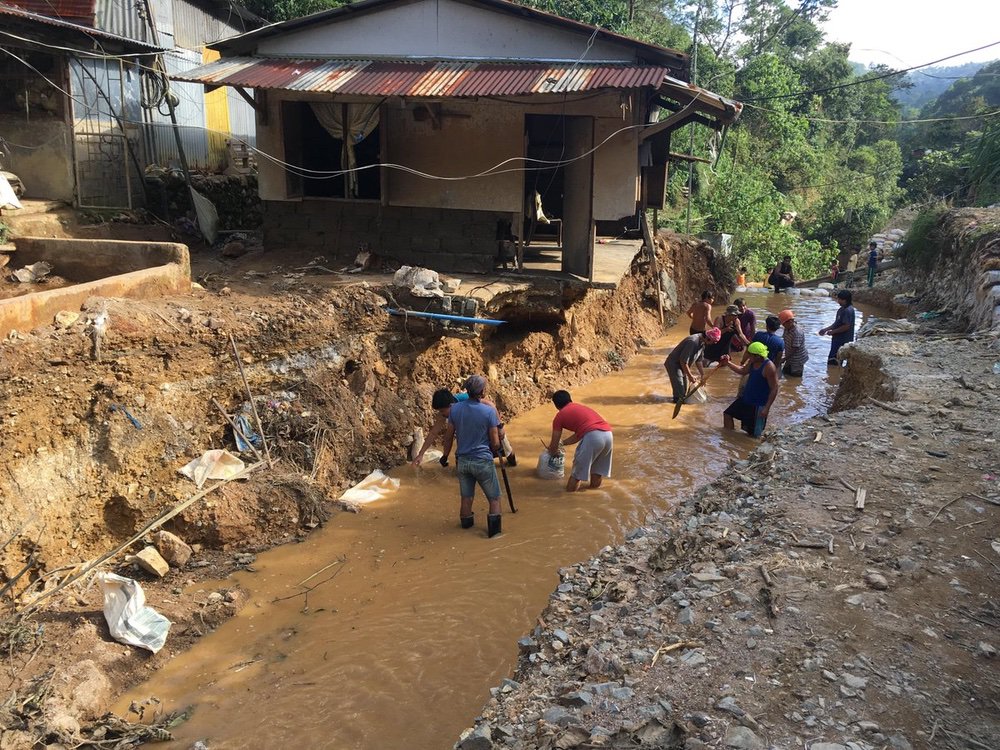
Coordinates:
[441,316]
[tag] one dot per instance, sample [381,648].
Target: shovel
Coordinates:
[682,401]
[506,483]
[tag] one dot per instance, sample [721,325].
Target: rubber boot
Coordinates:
[493,525]
[468,521]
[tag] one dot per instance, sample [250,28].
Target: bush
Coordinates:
[923,242]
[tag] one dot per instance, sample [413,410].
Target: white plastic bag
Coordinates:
[213,464]
[551,467]
[373,487]
[129,619]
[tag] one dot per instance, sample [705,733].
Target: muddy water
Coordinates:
[400,648]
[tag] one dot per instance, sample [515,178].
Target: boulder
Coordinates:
[152,562]
[174,550]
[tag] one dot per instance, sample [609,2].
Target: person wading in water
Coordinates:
[477,427]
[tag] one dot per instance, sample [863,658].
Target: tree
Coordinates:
[283,10]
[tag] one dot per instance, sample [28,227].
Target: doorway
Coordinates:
[558,190]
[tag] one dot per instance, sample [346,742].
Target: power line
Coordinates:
[869,79]
[877,122]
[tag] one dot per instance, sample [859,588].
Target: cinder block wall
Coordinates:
[447,240]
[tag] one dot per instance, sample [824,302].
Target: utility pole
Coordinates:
[694,82]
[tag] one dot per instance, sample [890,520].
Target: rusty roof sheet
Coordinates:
[68,10]
[422,78]
[90,34]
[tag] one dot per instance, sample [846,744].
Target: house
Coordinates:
[81,109]
[434,130]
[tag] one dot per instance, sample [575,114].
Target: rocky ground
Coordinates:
[835,591]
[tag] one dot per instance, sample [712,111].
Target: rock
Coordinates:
[476,738]
[987,650]
[857,683]
[694,658]
[877,581]
[66,318]
[215,598]
[562,636]
[558,716]
[685,616]
[173,549]
[699,719]
[234,249]
[899,742]
[742,738]
[869,726]
[152,562]
[595,663]
[828,746]
[578,699]
[527,645]
[728,704]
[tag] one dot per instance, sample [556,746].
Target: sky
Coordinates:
[902,33]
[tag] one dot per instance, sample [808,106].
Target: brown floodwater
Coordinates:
[400,649]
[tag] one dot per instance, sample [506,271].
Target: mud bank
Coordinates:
[775,609]
[90,450]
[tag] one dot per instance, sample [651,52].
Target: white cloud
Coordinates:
[903,33]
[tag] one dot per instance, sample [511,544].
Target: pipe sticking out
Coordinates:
[442,316]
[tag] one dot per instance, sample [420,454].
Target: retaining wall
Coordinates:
[105,268]
[965,277]
[452,239]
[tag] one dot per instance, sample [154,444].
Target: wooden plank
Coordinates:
[859,498]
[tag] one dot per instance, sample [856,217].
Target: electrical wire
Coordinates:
[869,79]
[878,122]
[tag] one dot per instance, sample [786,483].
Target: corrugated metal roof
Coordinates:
[727,110]
[68,10]
[11,11]
[424,78]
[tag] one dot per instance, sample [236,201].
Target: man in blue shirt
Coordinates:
[775,344]
[872,263]
[476,426]
[842,329]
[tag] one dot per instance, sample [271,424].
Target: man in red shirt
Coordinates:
[592,459]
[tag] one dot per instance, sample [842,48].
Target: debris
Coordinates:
[859,498]
[65,318]
[877,581]
[422,282]
[119,408]
[129,619]
[34,273]
[213,464]
[890,407]
[373,487]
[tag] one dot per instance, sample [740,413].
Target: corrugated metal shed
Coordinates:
[123,19]
[421,78]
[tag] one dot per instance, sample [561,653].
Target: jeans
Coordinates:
[481,471]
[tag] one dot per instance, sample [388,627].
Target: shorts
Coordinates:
[692,331]
[746,413]
[593,455]
[481,471]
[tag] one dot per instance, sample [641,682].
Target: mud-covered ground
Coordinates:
[773,611]
[340,387]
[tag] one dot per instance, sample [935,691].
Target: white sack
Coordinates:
[551,467]
[129,619]
[373,487]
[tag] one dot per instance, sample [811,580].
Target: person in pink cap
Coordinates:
[688,353]
[796,355]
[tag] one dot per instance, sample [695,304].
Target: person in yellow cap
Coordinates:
[753,405]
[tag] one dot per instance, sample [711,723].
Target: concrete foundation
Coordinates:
[104,268]
[450,240]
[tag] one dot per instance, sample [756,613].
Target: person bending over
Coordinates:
[595,442]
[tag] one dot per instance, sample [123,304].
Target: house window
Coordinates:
[314,134]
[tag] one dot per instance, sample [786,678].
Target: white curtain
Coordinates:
[361,121]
